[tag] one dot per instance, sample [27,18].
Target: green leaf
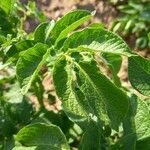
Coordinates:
[116,26]
[145,14]
[24,148]
[141,42]
[91,138]
[33,10]
[143,144]
[128,25]
[82,88]
[44,136]
[7,5]
[142,121]
[29,65]
[2,39]
[35,148]
[9,144]
[15,110]
[98,40]
[42,32]
[19,47]
[139,74]
[7,24]
[102,85]
[128,9]
[63,81]
[129,122]
[19,112]
[126,143]
[68,23]
[59,119]
[114,63]
[138,121]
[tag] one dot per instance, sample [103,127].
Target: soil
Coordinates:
[56,8]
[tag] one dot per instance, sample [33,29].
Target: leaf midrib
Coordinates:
[88,78]
[60,37]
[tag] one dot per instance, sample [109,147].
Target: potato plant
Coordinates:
[97,113]
[135,20]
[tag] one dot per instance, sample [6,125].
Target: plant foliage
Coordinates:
[135,20]
[97,112]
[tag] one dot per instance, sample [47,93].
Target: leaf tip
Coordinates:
[24,91]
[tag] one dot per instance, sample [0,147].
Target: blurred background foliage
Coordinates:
[134,20]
